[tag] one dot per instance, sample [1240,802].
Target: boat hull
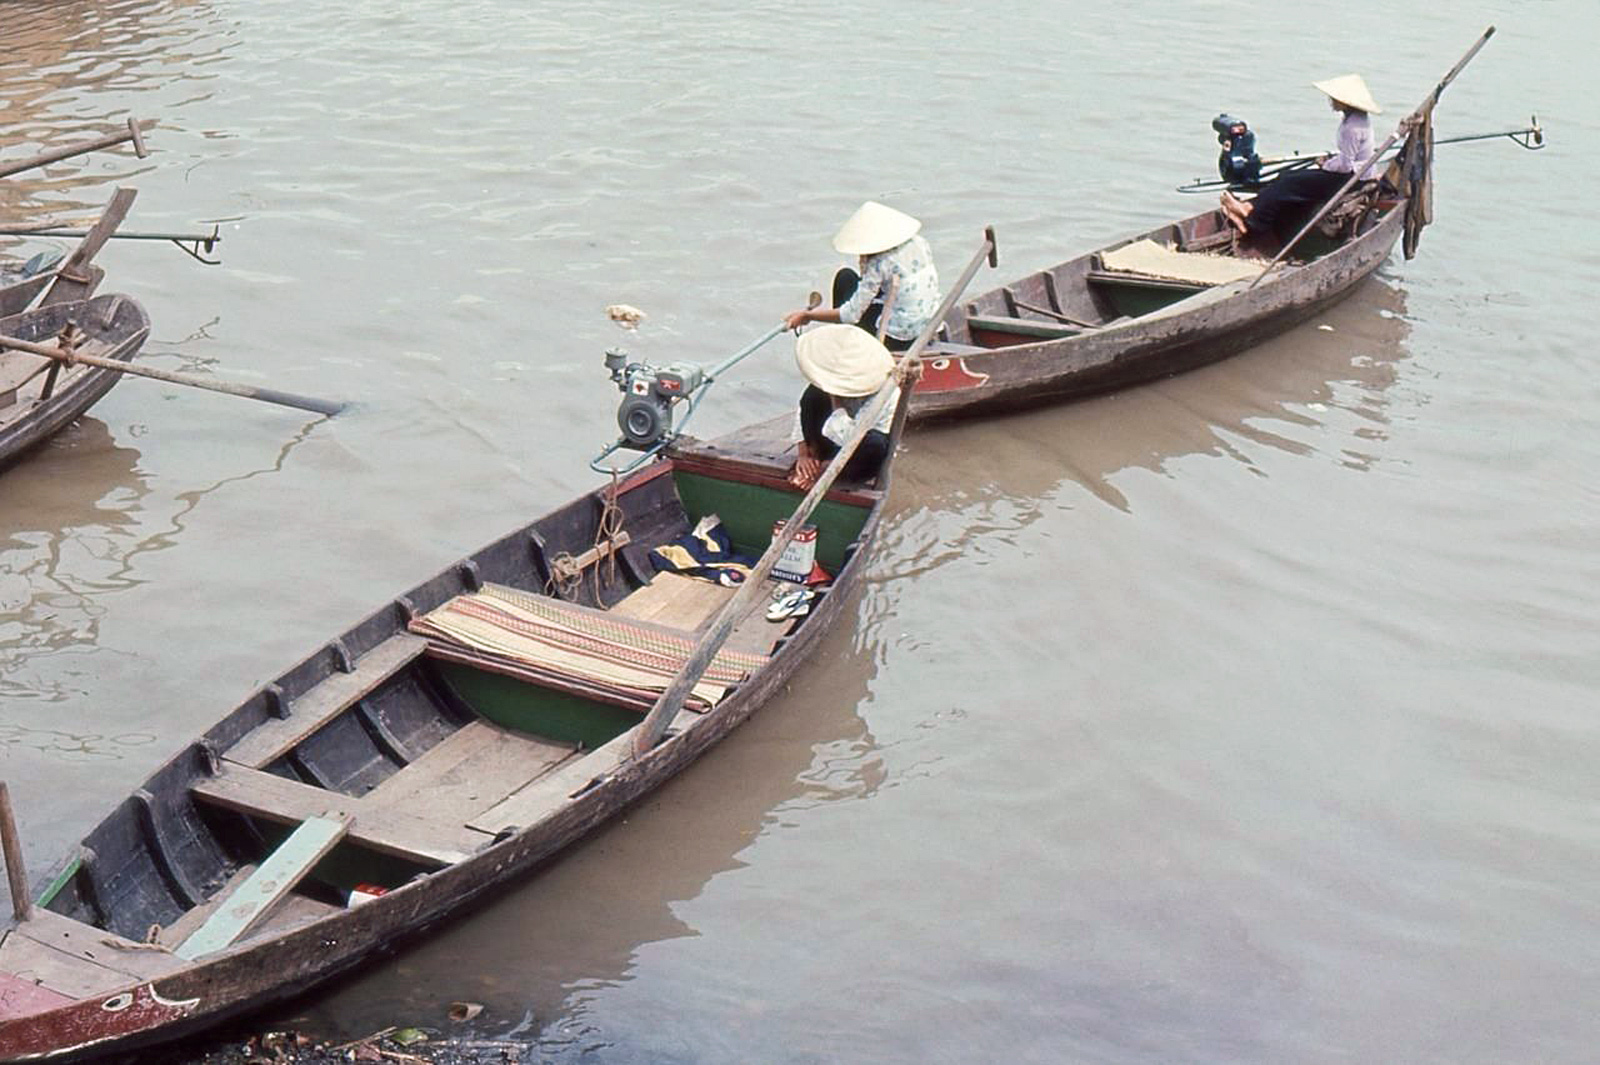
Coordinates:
[78,388]
[1187,335]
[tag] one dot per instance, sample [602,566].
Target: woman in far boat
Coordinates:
[845,367]
[893,259]
[1284,203]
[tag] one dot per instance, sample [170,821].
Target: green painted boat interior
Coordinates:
[347,865]
[1133,300]
[748,512]
[537,711]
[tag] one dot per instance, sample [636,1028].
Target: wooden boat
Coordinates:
[407,766]
[1095,323]
[38,396]
[19,288]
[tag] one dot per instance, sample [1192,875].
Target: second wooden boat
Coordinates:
[462,734]
[1142,308]
[39,396]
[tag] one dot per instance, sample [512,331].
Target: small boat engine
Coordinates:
[1238,164]
[645,416]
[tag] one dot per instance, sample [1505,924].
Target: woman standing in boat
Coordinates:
[1288,200]
[893,259]
[845,367]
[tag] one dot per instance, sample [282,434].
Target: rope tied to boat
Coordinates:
[566,569]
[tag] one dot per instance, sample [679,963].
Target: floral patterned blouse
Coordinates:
[915,301]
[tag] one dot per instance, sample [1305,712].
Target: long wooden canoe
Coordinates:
[38,397]
[1099,322]
[405,769]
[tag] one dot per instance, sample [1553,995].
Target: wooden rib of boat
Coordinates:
[414,767]
[1087,326]
[39,396]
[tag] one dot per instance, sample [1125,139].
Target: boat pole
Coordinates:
[16,873]
[1406,126]
[666,707]
[111,140]
[266,395]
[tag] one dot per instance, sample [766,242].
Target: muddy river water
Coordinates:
[1249,716]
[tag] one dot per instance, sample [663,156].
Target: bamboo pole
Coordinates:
[16,872]
[1405,126]
[111,140]
[666,707]
[266,395]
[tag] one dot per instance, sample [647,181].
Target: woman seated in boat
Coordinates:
[1286,202]
[845,367]
[892,258]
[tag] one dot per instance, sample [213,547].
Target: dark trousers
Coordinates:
[845,283]
[1287,202]
[815,406]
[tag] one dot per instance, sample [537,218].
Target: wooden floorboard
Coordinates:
[675,600]
[552,791]
[97,945]
[326,701]
[468,771]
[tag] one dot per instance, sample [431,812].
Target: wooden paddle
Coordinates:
[266,395]
[109,141]
[666,707]
[1404,128]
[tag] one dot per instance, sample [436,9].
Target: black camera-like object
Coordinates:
[1238,164]
[645,416]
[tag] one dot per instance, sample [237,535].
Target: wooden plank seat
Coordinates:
[1025,327]
[17,368]
[249,901]
[1132,280]
[416,837]
[326,701]
[573,647]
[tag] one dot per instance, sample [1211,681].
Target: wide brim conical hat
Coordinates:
[874,228]
[843,360]
[1350,89]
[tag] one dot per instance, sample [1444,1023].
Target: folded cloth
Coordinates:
[706,553]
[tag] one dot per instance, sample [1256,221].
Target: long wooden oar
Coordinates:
[666,707]
[109,141]
[1405,127]
[266,395]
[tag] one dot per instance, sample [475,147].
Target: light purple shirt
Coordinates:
[1355,148]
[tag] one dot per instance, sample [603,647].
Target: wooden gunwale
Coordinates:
[572,800]
[76,391]
[1203,328]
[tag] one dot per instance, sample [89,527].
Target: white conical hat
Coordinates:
[843,360]
[1352,90]
[874,228]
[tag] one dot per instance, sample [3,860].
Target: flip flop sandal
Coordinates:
[792,604]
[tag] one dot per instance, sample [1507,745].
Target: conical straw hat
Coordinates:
[874,228]
[1350,89]
[843,360]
